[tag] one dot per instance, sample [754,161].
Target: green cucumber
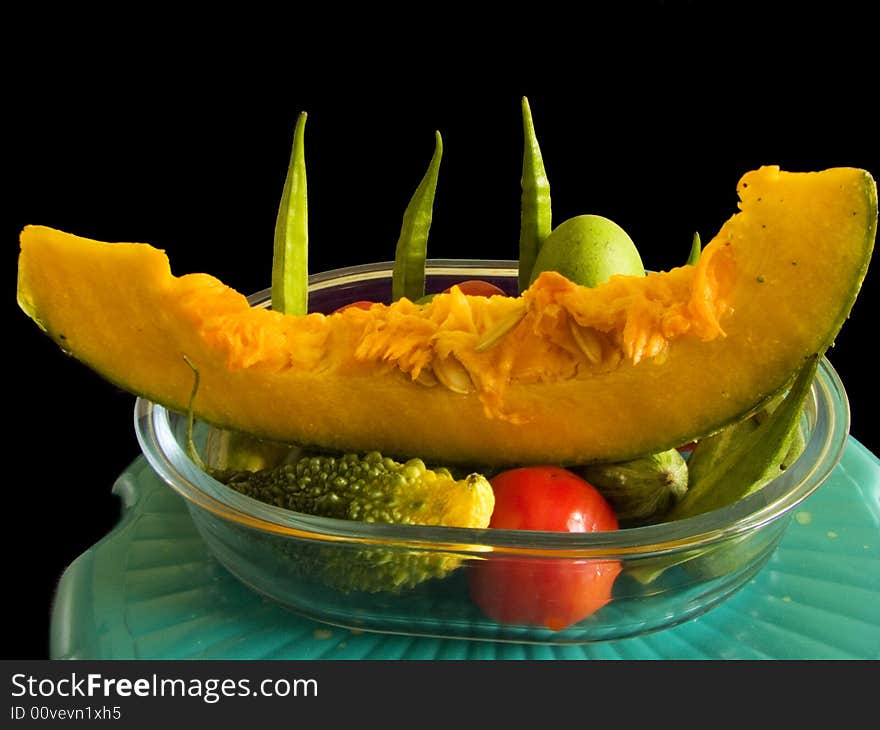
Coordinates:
[643,490]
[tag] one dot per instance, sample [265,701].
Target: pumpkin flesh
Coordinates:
[634,366]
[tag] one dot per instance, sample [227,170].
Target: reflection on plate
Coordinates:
[151,590]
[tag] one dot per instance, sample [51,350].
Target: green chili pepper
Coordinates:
[535,213]
[290,264]
[755,458]
[696,250]
[408,277]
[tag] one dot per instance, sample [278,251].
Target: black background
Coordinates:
[178,134]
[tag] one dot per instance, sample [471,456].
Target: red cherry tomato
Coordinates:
[479,288]
[541,592]
[362,304]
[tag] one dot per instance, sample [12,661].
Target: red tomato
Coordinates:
[362,304]
[540,592]
[479,288]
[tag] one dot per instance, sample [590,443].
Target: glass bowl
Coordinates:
[414,580]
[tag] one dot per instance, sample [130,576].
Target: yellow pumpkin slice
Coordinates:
[561,374]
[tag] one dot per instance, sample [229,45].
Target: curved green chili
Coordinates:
[535,212]
[696,250]
[408,277]
[753,460]
[290,263]
[190,421]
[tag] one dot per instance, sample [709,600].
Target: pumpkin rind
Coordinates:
[772,288]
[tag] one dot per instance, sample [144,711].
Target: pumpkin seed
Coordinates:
[496,332]
[588,340]
[452,374]
[426,377]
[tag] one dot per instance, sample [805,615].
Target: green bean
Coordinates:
[535,213]
[408,277]
[290,264]
[696,250]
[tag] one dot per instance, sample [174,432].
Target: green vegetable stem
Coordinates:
[408,277]
[290,263]
[696,250]
[535,209]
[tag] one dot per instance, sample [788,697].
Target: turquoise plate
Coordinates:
[151,590]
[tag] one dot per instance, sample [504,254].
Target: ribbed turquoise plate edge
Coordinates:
[150,590]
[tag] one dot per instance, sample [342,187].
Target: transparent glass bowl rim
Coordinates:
[828,409]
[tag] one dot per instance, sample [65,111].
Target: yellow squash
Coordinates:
[561,374]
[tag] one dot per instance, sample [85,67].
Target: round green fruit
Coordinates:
[588,250]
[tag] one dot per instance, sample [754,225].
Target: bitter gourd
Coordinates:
[369,488]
